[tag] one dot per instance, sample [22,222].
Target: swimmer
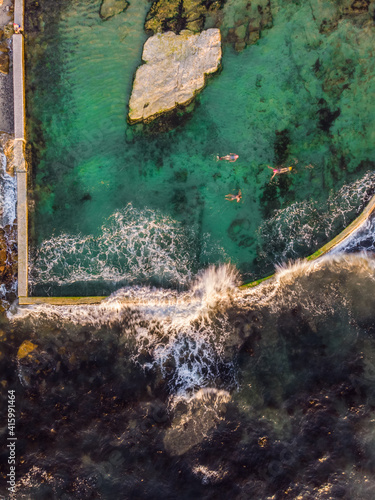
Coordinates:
[279,170]
[232,197]
[231,157]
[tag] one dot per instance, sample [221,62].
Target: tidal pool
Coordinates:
[117,204]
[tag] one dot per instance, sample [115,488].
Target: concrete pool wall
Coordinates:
[19,149]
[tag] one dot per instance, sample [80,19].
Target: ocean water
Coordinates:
[266,393]
[299,97]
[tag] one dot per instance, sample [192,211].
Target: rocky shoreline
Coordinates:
[8,228]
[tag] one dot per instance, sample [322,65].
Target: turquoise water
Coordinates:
[118,204]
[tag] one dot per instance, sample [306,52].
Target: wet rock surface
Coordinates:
[175,69]
[176,15]
[328,16]
[300,420]
[242,22]
[110,8]
[8,233]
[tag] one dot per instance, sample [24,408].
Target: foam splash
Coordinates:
[313,286]
[8,194]
[303,226]
[183,333]
[362,239]
[134,246]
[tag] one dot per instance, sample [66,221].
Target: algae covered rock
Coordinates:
[110,8]
[175,70]
[240,21]
[328,15]
[243,21]
[177,15]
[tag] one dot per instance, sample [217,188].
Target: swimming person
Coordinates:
[279,170]
[231,157]
[232,197]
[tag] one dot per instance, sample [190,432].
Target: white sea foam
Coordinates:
[302,226]
[361,239]
[133,246]
[183,333]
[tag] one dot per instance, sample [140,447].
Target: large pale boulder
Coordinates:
[174,70]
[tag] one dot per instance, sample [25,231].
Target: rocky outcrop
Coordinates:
[177,15]
[110,8]
[175,70]
[25,349]
[360,12]
[241,22]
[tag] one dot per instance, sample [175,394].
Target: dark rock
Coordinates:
[255,17]
[177,15]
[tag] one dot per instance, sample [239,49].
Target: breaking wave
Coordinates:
[135,246]
[187,337]
[303,226]
[8,194]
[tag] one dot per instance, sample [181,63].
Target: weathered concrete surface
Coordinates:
[110,8]
[18,87]
[18,12]
[22,218]
[59,301]
[19,161]
[175,70]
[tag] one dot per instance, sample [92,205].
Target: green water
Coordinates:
[296,94]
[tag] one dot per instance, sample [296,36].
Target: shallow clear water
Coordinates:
[271,103]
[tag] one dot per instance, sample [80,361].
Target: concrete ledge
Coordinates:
[22,229]
[18,12]
[58,301]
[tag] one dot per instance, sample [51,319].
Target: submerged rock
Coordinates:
[4,58]
[360,12]
[175,70]
[242,22]
[110,8]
